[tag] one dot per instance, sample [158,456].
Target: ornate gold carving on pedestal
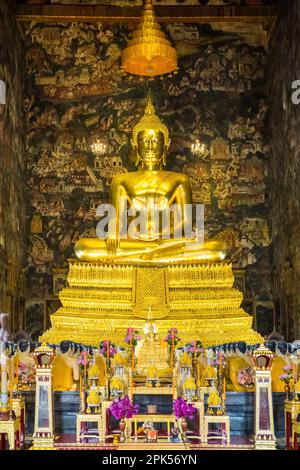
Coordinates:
[151,298]
[103,299]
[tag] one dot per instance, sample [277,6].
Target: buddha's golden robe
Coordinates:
[62,375]
[101,366]
[277,371]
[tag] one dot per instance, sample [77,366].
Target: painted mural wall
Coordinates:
[12,165]
[76,93]
[285,169]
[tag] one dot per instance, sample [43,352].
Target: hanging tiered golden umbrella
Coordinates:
[149,53]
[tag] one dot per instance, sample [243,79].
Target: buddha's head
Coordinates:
[150,139]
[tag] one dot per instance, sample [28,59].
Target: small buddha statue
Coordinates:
[100,362]
[152,352]
[151,186]
[24,354]
[152,375]
[209,375]
[117,386]
[65,369]
[189,388]
[214,402]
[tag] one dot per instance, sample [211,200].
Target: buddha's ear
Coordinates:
[164,157]
[136,155]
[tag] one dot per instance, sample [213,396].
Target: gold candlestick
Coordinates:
[10,393]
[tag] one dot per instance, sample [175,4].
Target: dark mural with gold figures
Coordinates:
[77,94]
[12,168]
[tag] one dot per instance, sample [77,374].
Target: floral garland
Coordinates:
[104,345]
[132,337]
[219,360]
[194,348]
[172,338]
[26,376]
[288,374]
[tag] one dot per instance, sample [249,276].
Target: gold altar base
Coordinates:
[105,298]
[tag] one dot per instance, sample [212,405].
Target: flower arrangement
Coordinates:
[172,338]
[132,337]
[108,349]
[182,409]
[194,348]
[245,377]
[219,360]
[123,408]
[83,359]
[26,376]
[287,376]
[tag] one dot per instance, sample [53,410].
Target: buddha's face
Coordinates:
[150,146]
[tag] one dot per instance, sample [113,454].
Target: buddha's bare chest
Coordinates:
[159,190]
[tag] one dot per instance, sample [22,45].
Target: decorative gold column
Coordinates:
[43,436]
[264,419]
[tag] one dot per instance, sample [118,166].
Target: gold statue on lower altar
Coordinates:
[162,272]
[152,354]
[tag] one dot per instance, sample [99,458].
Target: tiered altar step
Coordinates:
[103,299]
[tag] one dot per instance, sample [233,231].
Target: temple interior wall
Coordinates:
[285,167]
[12,167]
[75,92]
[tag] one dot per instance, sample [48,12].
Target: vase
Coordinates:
[287,391]
[122,426]
[183,423]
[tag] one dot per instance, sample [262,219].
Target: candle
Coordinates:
[131,335]
[17,376]
[10,393]
[172,350]
[168,428]
[85,361]
[130,384]
[135,427]
[80,393]
[3,360]
[173,388]
[198,375]
[294,368]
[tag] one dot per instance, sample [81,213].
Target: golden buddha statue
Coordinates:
[162,273]
[152,353]
[150,187]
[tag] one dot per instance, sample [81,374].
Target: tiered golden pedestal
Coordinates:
[104,299]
